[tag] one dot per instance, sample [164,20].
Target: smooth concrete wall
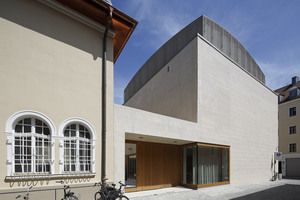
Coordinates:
[51,63]
[237,110]
[233,109]
[212,32]
[173,90]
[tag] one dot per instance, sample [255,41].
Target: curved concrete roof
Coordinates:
[213,33]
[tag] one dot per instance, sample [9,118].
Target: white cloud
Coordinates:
[277,74]
[119,85]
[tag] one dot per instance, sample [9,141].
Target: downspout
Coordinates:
[103,158]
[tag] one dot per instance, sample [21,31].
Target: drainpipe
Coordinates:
[103,163]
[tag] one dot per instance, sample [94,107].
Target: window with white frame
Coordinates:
[32,146]
[77,148]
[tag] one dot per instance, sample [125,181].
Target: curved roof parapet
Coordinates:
[213,33]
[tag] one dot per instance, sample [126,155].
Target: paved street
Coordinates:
[278,190]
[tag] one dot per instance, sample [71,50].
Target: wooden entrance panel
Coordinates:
[158,165]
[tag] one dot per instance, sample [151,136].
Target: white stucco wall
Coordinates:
[237,110]
[173,90]
[233,109]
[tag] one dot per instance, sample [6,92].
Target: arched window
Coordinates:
[30,145]
[77,148]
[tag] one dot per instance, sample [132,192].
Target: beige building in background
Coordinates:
[289,127]
[51,95]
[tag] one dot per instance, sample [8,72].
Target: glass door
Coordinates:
[190,165]
[130,165]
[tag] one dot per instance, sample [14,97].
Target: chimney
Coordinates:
[295,79]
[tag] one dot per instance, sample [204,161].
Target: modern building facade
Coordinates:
[196,114]
[289,122]
[51,62]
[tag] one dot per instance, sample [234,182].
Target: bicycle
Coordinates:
[68,195]
[107,192]
[26,197]
[118,194]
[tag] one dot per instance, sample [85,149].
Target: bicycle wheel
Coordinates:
[73,198]
[123,197]
[99,197]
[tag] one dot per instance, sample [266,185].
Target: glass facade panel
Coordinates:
[190,165]
[205,164]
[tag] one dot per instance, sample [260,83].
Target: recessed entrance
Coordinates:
[153,166]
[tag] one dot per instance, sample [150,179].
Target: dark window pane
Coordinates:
[72,168]
[88,135]
[81,134]
[46,131]
[18,129]
[18,168]
[27,129]
[47,168]
[66,133]
[73,133]
[67,168]
[17,150]
[38,122]
[38,130]
[27,121]
[81,128]
[73,126]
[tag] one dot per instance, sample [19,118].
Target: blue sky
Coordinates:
[268,29]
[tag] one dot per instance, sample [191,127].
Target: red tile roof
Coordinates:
[285,92]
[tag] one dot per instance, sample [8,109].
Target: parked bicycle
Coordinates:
[107,192]
[26,197]
[68,195]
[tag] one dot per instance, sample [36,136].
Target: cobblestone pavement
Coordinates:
[277,190]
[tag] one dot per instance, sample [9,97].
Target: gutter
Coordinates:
[104,84]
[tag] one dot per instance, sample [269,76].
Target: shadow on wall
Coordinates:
[40,18]
[287,191]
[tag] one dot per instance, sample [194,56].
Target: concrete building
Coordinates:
[196,114]
[289,122]
[51,73]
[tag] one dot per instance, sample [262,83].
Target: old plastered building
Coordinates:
[52,55]
[289,126]
[196,114]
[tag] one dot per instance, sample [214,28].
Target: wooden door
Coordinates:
[158,165]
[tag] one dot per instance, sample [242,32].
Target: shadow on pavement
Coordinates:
[287,191]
